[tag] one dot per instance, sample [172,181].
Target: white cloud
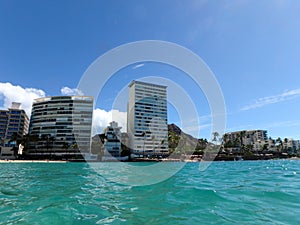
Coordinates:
[287,95]
[14,93]
[71,91]
[102,118]
[137,66]
[11,93]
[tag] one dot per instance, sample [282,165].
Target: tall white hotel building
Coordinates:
[147,119]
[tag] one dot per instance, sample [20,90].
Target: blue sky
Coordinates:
[251,46]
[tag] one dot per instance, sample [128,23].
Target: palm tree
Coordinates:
[66,146]
[48,142]
[250,147]
[25,140]
[215,135]
[144,136]
[15,137]
[225,138]
[75,148]
[44,138]
[225,142]
[33,139]
[242,135]
[285,144]
[237,140]
[154,149]
[279,144]
[51,140]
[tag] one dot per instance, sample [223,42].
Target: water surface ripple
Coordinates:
[244,192]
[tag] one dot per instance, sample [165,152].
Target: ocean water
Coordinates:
[242,192]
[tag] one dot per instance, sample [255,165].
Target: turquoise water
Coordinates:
[244,192]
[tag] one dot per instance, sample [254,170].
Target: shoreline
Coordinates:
[31,161]
[138,160]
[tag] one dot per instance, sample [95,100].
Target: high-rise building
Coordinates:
[147,121]
[13,121]
[61,126]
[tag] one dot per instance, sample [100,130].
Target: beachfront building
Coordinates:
[247,137]
[290,145]
[112,142]
[271,145]
[13,126]
[60,127]
[147,124]
[252,140]
[13,121]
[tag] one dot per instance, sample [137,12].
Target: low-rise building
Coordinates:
[13,121]
[250,140]
[247,137]
[13,126]
[290,145]
[112,143]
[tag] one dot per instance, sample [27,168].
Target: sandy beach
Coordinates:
[31,161]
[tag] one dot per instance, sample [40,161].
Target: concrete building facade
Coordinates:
[248,137]
[60,126]
[12,121]
[112,143]
[253,140]
[290,145]
[147,121]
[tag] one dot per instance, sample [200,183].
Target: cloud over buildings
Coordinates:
[102,118]
[70,91]
[14,93]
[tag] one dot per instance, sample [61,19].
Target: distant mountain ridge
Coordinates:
[173,128]
[182,142]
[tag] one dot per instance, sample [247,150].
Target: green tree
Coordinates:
[15,137]
[215,138]
[32,140]
[75,146]
[285,148]
[15,140]
[279,144]
[236,142]
[227,143]
[75,149]
[66,147]
[242,136]
[48,141]
[153,146]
